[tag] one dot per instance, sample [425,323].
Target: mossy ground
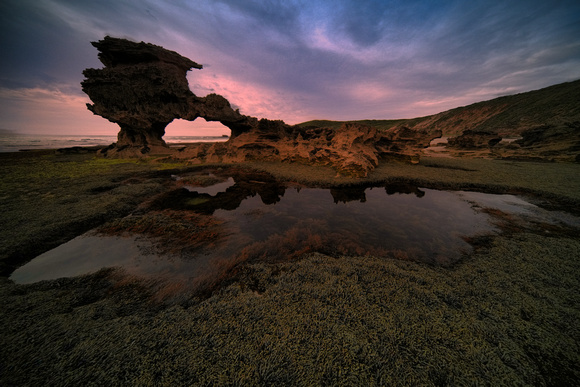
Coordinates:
[549,180]
[506,315]
[47,199]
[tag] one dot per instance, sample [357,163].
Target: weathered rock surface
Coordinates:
[471,139]
[549,118]
[547,142]
[143,88]
[551,134]
[353,149]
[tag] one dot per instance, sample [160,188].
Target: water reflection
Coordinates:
[425,225]
[261,219]
[229,195]
[206,201]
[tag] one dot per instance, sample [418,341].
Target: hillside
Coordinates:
[505,116]
[548,120]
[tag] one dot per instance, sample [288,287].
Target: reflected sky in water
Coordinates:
[268,221]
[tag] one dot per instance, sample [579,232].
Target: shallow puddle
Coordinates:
[262,220]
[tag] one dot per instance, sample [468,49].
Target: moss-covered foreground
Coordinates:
[47,199]
[506,315]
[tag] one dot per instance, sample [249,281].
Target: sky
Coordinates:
[294,60]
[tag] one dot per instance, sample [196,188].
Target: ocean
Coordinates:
[17,142]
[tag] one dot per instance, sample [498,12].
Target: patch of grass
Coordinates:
[199,179]
[557,182]
[176,232]
[48,198]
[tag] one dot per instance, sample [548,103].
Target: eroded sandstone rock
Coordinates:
[353,149]
[143,87]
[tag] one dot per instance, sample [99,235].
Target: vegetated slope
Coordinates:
[379,124]
[506,116]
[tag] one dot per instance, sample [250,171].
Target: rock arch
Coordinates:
[143,87]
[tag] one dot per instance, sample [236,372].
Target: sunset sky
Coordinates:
[290,60]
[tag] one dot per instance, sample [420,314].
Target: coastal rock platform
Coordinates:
[143,88]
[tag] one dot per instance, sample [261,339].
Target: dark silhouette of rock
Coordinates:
[143,88]
[471,139]
[270,192]
[349,194]
[551,134]
[403,188]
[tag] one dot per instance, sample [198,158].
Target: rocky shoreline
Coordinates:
[505,314]
[143,88]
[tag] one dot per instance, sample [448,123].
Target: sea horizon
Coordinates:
[14,142]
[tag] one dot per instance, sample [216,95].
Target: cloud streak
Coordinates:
[40,110]
[299,60]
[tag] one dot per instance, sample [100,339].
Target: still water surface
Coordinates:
[265,220]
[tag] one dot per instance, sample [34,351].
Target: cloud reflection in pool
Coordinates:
[265,220]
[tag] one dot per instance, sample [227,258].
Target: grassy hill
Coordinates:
[381,124]
[509,115]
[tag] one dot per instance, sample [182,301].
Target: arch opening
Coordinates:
[182,131]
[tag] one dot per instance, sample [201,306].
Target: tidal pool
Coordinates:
[262,220]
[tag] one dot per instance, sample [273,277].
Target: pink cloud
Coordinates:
[199,127]
[44,111]
[252,99]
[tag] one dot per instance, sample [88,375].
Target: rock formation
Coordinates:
[471,139]
[353,149]
[548,143]
[143,88]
